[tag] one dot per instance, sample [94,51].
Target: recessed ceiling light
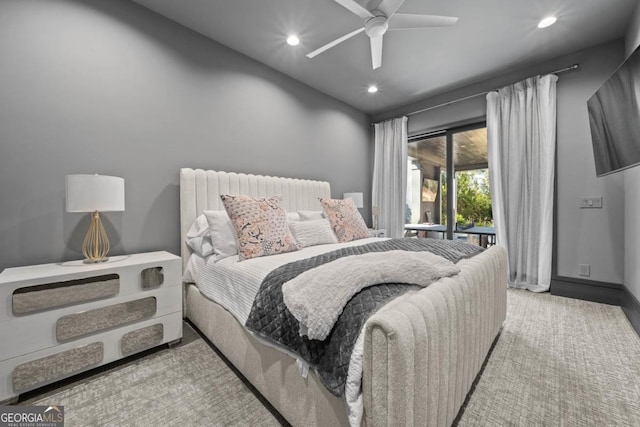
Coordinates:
[293,40]
[372,89]
[547,22]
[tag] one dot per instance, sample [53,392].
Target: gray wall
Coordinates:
[632,190]
[109,87]
[585,236]
[632,36]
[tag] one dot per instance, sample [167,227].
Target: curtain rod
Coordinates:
[561,70]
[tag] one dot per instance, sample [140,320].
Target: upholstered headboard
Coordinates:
[200,190]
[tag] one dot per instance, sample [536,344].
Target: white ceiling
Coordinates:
[490,38]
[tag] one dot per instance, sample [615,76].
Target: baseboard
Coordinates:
[589,290]
[606,293]
[631,308]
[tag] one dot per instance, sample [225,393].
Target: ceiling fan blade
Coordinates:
[335,42]
[389,7]
[376,52]
[356,8]
[407,21]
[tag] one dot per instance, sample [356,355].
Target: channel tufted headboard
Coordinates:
[201,189]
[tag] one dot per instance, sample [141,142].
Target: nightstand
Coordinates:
[381,232]
[61,319]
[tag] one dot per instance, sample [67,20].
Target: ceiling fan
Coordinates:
[380,16]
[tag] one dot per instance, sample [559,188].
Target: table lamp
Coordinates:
[95,193]
[356,197]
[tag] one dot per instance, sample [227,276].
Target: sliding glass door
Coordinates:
[427,161]
[448,182]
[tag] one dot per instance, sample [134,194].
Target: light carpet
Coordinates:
[558,361]
[189,385]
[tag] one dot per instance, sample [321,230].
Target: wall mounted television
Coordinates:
[614,118]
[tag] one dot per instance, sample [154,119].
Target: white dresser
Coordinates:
[57,320]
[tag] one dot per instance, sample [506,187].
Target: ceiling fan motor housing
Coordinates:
[376,26]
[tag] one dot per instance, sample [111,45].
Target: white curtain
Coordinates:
[521,136]
[390,175]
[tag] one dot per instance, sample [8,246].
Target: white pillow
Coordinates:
[311,215]
[198,238]
[312,232]
[293,216]
[222,234]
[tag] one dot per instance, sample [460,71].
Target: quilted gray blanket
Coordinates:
[270,318]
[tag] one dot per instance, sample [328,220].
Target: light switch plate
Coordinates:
[590,202]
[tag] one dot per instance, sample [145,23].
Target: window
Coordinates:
[453,158]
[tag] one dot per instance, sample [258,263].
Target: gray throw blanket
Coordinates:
[270,318]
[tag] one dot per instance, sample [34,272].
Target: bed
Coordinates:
[420,356]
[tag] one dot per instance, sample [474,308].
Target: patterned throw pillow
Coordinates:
[346,221]
[261,226]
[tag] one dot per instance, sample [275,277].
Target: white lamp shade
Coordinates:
[90,193]
[356,197]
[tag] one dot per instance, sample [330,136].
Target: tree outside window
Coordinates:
[474,198]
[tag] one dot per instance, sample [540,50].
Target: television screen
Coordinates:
[614,118]
[429,190]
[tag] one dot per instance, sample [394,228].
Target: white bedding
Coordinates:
[234,285]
